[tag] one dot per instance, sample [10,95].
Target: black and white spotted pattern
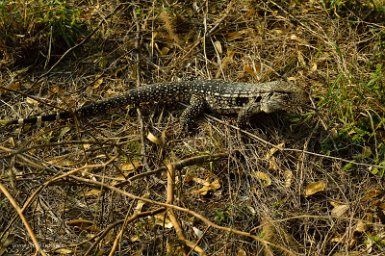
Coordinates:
[244,99]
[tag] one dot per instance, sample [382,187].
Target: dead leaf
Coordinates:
[273,150]
[135,238]
[340,210]
[164,51]
[83,224]
[247,68]
[241,34]
[313,67]
[241,252]
[97,83]
[264,178]
[301,59]
[314,188]
[360,227]
[141,203]
[131,166]
[273,165]
[64,251]
[207,186]
[162,220]
[342,239]
[151,137]
[32,102]
[92,193]
[197,232]
[64,131]
[288,178]
[297,39]
[218,47]
[338,238]
[62,161]
[14,86]
[86,146]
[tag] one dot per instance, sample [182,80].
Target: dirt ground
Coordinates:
[133,182]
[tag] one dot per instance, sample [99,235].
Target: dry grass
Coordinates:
[99,187]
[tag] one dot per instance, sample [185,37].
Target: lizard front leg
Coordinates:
[247,112]
[198,105]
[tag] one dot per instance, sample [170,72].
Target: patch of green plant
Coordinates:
[357,123]
[377,241]
[367,10]
[220,216]
[37,26]
[376,84]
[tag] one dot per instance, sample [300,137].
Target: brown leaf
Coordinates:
[273,165]
[288,178]
[207,186]
[97,83]
[64,251]
[314,188]
[151,137]
[83,224]
[273,150]
[162,220]
[62,161]
[131,166]
[92,193]
[340,210]
[264,178]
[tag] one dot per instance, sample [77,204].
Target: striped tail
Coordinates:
[38,119]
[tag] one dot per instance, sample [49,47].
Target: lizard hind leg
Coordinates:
[197,107]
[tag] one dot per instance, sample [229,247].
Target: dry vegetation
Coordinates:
[309,183]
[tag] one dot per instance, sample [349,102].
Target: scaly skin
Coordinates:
[244,99]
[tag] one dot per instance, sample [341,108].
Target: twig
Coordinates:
[178,165]
[171,215]
[105,232]
[182,209]
[23,219]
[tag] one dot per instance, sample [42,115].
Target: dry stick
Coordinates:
[33,196]
[132,196]
[43,102]
[22,150]
[103,233]
[171,215]
[23,219]
[178,165]
[99,236]
[178,208]
[81,43]
[137,70]
[224,16]
[69,174]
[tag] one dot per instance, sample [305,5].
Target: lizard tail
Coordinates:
[38,119]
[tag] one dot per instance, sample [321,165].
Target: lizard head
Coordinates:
[288,100]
